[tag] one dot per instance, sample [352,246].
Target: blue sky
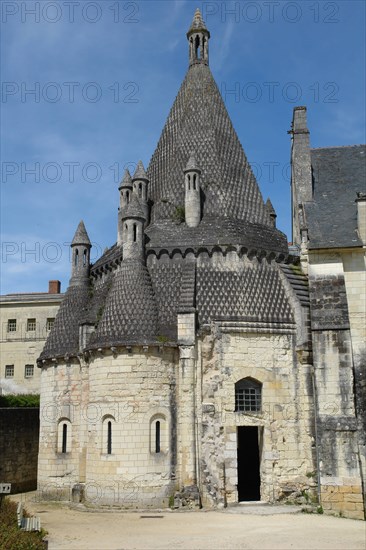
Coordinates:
[104,75]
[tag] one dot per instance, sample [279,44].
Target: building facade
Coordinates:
[180,365]
[26,320]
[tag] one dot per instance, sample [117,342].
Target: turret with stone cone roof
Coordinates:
[271,212]
[125,189]
[80,247]
[140,182]
[198,37]
[133,220]
[192,200]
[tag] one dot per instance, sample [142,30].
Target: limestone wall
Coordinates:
[133,391]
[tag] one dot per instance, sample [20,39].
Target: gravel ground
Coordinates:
[241,527]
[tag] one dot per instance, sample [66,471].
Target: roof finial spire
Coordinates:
[198,37]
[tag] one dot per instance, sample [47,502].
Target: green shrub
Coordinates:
[11,537]
[26,400]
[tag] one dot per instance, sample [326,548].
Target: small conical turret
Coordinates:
[192,193]
[125,189]
[133,230]
[198,37]
[140,182]
[271,212]
[80,247]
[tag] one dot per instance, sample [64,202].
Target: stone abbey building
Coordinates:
[198,361]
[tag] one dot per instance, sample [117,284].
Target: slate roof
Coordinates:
[338,174]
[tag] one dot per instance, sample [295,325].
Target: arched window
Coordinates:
[107,434]
[134,232]
[140,189]
[76,257]
[197,45]
[189,182]
[158,434]
[64,436]
[248,395]
[127,196]
[84,258]
[109,438]
[194,181]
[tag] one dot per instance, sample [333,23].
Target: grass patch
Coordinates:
[11,537]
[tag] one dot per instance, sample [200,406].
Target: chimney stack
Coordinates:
[54,287]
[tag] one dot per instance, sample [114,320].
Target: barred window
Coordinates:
[28,371]
[9,371]
[12,325]
[248,395]
[31,325]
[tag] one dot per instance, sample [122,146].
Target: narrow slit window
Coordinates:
[76,257]
[64,438]
[134,232]
[157,436]
[84,258]
[109,438]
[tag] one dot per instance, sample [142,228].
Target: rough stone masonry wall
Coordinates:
[287,463]
[19,432]
[333,349]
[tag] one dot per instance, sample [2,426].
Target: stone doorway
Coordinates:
[248,463]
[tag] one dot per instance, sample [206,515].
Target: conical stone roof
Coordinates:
[130,314]
[140,173]
[198,23]
[199,122]
[134,209]
[81,236]
[126,180]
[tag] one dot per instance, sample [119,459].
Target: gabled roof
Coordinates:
[339,173]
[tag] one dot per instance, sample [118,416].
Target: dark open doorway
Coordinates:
[248,464]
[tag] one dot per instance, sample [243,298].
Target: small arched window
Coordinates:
[107,434]
[189,182]
[158,434]
[248,395]
[197,45]
[109,438]
[84,258]
[134,232]
[64,436]
[140,189]
[76,257]
[194,181]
